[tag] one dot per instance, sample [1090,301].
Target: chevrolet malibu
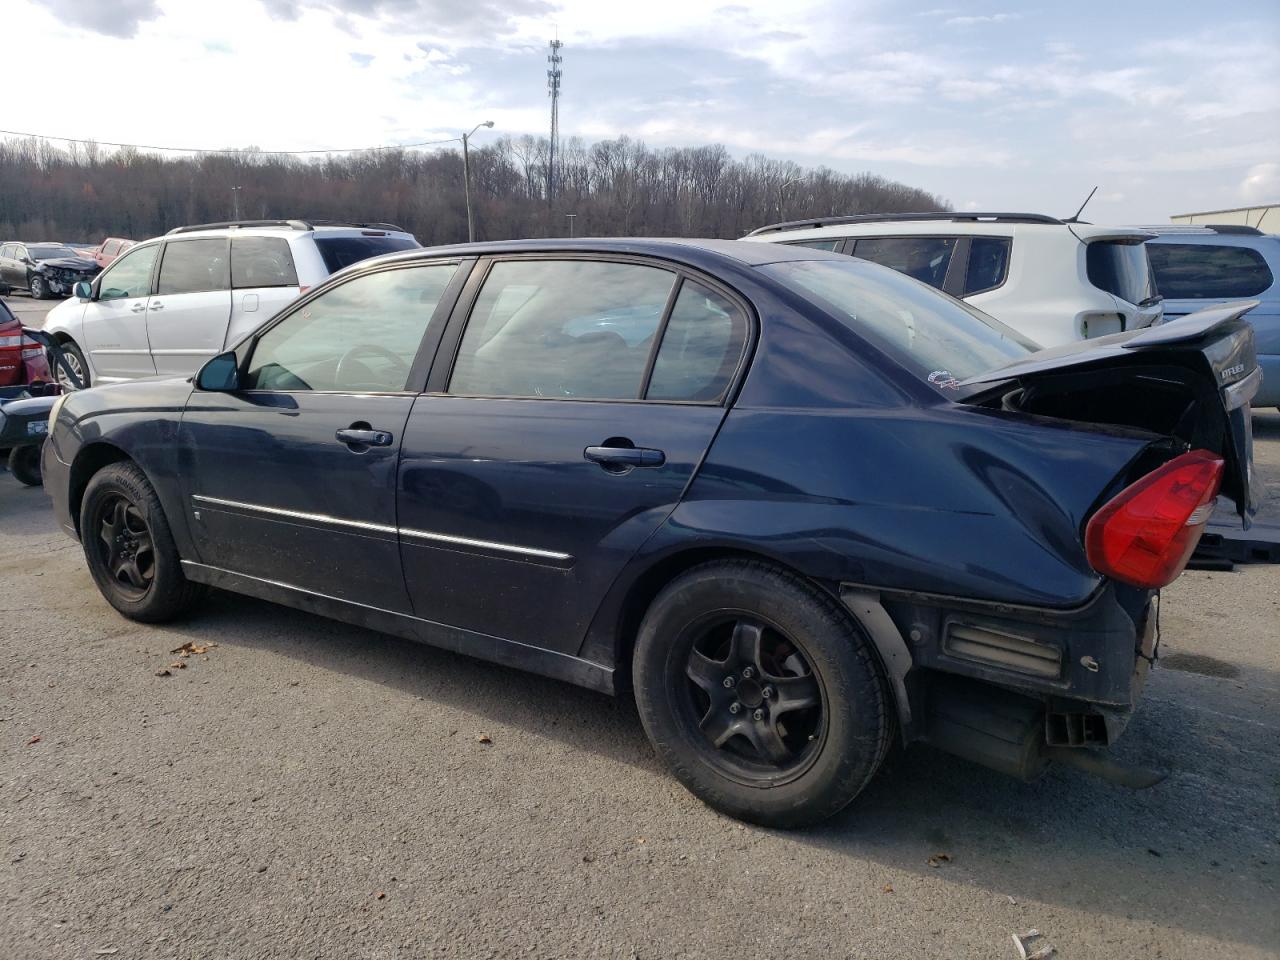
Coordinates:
[797,504]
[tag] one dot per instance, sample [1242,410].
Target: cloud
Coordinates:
[970,21]
[463,18]
[362,59]
[116,19]
[1261,184]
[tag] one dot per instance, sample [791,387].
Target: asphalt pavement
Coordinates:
[303,788]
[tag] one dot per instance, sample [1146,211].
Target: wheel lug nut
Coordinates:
[748,673]
[758,715]
[728,681]
[767,693]
[735,707]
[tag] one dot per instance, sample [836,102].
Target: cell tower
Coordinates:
[553,91]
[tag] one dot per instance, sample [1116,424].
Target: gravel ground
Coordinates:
[310,789]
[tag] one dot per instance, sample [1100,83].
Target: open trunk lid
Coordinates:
[1189,380]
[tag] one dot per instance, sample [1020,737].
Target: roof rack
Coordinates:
[289,224]
[901,217]
[365,226]
[1225,229]
[237,224]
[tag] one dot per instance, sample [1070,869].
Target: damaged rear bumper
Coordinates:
[1012,687]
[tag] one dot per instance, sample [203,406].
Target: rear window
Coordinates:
[1202,271]
[988,264]
[922,258]
[262,262]
[339,252]
[940,339]
[1120,269]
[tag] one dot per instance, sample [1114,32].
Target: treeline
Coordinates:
[611,188]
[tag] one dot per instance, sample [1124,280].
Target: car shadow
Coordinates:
[1066,840]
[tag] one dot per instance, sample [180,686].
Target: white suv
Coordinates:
[1054,281]
[168,304]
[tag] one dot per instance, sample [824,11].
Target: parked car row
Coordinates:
[1059,281]
[43,269]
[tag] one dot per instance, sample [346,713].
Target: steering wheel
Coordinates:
[369,349]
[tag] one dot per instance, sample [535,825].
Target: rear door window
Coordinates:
[701,347]
[339,252]
[193,266]
[988,264]
[565,329]
[1121,269]
[1203,271]
[924,258]
[262,262]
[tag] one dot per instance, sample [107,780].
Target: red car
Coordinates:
[22,360]
[109,249]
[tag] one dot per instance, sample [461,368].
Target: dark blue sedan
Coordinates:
[797,503]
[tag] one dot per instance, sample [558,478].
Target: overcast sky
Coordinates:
[1169,107]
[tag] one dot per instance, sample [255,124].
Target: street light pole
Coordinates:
[466,178]
[572,218]
[235,203]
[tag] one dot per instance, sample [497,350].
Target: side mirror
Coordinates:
[221,374]
[83,290]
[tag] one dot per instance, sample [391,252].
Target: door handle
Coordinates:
[138,307]
[367,438]
[625,456]
[155,306]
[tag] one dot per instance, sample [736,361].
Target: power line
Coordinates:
[274,153]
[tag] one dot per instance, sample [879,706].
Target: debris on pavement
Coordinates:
[36,739]
[380,895]
[1032,945]
[107,951]
[177,665]
[191,647]
[484,738]
[163,673]
[938,859]
[887,888]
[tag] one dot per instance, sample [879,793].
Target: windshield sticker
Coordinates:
[944,380]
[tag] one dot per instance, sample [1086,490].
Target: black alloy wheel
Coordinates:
[761,693]
[754,697]
[123,540]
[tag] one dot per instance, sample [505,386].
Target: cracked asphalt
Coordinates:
[309,789]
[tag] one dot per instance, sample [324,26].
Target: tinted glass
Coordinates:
[49,251]
[262,262]
[988,263]
[129,275]
[1198,271]
[939,339]
[360,336]
[193,266]
[817,244]
[1121,269]
[700,347]
[339,252]
[566,328]
[924,258]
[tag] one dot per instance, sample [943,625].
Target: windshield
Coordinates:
[940,339]
[1121,269]
[339,252]
[49,251]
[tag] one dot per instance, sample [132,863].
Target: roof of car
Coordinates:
[684,250]
[983,224]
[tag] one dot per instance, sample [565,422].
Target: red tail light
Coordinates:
[1145,535]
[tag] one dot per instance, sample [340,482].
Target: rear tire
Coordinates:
[760,693]
[24,464]
[130,549]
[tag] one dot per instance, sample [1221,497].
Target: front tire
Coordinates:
[130,549]
[39,289]
[24,464]
[760,693]
[75,360]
